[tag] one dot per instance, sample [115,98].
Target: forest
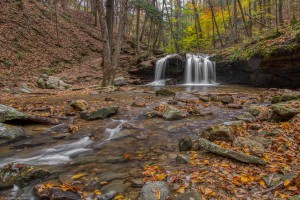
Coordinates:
[150,99]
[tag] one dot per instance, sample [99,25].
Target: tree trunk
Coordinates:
[110,19]
[215,21]
[137,40]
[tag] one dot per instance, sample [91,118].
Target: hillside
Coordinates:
[33,43]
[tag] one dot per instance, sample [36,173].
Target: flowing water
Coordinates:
[99,146]
[199,70]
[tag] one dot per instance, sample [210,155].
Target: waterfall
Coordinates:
[160,71]
[199,70]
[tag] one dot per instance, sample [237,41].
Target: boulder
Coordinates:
[52,82]
[79,105]
[173,113]
[287,109]
[99,114]
[9,114]
[54,193]
[150,190]
[255,146]
[227,99]
[246,117]
[219,132]
[273,179]
[185,143]
[10,134]
[20,175]
[255,110]
[120,81]
[165,92]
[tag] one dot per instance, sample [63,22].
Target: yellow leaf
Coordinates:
[286,183]
[206,162]
[262,184]
[97,192]
[77,176]
[180,190]
[283,196]
[119,197]
[245,179]
[158,195]
[293,188]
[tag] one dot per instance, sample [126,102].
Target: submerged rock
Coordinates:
[109,176]
[165,92]
[150,190]
[246,117]
[10,133]
[173,113]
[20,175]
[99,114]
[185,143]
[79,105]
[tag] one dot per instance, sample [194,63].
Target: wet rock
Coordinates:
[9,114]
[246,117]
[109,176]
[288,109]
[99,114]
[235,106]
[215,97]
[79,105]
[149,115]
[204,98]
[255,110]
[138,104]
[227,99]
[173,113]
[114,188]
[32,142]
[275,178]
[185,143]
[58,194]
[137,182]
[10,134]
[189,196]
[20,175]
[182,159]
[165,92]
[150,190]
[219,132]
[255,146]
[124,133]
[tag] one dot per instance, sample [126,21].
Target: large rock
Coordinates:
[120,81]
[246,117]
[227,99]
[165,92]
[54,192]
[255,110]
[9,114]
[20,175]
[255,146]
[273,179]
[52,82]
[10,133]
[173,113]
[99,114]
[150,190]
[219,132]
[79,105]
[287,109]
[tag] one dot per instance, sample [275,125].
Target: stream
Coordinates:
[100,146]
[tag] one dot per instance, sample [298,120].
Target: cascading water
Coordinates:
[160,71]
[199,70]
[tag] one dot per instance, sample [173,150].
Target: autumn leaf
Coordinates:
[97,192]
[78,176]
[119,197]
[262,183]
[286,183]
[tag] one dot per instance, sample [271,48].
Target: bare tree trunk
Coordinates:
[243,17]
[197,20]
[110,19]
[137,40]
[215,21]
[280,14]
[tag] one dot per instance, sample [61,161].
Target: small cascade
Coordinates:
[199,70]
[160,71]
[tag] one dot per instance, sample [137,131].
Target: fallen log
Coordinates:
[216,149]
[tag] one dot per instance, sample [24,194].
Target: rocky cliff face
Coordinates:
[280,69]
